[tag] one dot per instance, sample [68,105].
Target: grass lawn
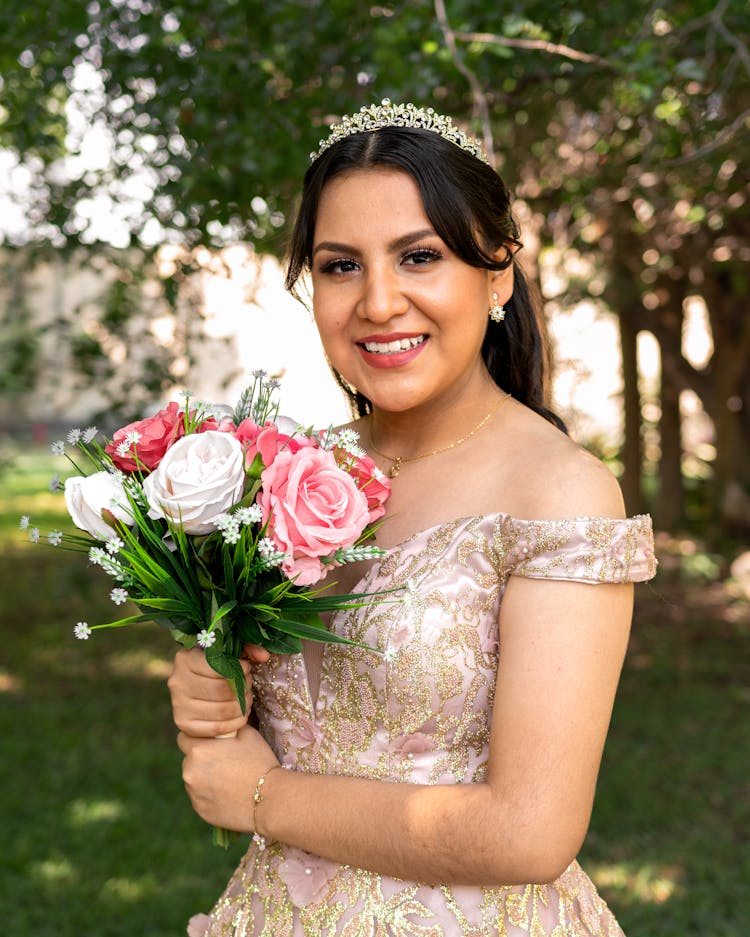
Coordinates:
[98,836]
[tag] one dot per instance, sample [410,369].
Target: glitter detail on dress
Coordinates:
[420,715]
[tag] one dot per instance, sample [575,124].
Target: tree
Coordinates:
[618,124]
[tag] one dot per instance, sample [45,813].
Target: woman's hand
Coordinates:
[204,704]
[220,776]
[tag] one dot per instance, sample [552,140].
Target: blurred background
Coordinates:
[151,156]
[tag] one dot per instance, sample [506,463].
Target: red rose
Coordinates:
[373,484]
[157,434]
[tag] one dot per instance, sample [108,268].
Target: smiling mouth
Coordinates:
[390,348]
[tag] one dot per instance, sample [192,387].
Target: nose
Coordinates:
[382,297]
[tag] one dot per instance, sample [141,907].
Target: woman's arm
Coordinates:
[561,650]
[562,646]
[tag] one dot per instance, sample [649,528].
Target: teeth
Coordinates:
[388,348]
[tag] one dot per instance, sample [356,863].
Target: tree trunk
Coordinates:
[730,367]
[669,511]
[632,448]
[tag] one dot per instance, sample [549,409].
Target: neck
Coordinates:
[408,433]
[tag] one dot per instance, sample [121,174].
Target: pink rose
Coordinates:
[269,439]
[373,483]
[258,439]
[312,508]
[216,426]
[157,433]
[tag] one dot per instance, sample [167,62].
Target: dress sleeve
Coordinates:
[583,549]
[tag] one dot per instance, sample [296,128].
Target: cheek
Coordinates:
[330,323]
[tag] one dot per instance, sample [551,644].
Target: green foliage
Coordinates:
[222,104]
[618,123]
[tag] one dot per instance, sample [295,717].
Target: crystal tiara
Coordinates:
[387,114]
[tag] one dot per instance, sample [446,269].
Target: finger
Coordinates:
[194,679]
[185,743]
[199,725]
[256,653]
[195,661]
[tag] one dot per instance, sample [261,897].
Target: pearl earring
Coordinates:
[497,312]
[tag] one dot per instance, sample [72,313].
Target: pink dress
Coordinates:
[420,714]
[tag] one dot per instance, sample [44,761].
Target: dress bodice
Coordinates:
[418,711]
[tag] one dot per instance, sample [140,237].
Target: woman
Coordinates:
[443,788]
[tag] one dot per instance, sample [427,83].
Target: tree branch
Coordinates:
[723,135]
[481,107]
[540,45]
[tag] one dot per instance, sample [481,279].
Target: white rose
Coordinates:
[200,477]
[86,497]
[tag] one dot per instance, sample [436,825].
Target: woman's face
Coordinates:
[401,317]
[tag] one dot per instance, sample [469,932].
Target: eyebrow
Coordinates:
[398,244]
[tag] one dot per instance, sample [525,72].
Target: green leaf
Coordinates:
[218,613]
[315,633]
[230,668]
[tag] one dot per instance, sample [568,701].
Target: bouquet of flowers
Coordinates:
[218,524]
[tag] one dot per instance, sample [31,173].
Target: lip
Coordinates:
[398,358]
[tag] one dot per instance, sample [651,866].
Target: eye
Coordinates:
[419,256]
[339,265]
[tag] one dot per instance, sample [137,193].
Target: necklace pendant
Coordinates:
[395,467]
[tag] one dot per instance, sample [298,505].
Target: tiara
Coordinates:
[387,114]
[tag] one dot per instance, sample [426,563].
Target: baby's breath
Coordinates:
[206,638]
[35,534]
[82,631]
[89,434]
[96,555]
[73,436]
[249,515]
[55,484]
[231,534]
[58,447]
[266,546]
[114,545]
[24,522]
[119,596]
[270,555]
[55,538]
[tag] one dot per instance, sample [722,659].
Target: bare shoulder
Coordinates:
[560,479]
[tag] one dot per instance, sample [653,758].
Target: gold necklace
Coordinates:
[398,460]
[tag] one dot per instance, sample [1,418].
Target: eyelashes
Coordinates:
[416,256]
[425,254]
[337,265]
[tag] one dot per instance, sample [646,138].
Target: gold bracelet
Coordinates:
[258,796]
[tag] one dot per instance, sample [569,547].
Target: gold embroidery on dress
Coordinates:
[420,713]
